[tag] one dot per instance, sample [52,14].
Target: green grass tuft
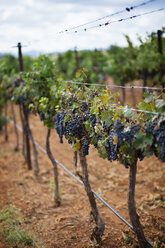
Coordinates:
[11,227]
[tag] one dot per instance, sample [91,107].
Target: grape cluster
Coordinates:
[111,148]
[159,140]
[21,99]
[97,139]
[16,84]
[140,154]
[73,127]
[149,128]
[158,145]
[92,118]
[125,136]
[84,106]
[58,124]
[107,128]
[41,114]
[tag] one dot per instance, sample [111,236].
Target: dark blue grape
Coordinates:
[59,125]
[42,116]
[159,141]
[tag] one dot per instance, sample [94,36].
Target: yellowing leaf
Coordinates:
[105,98]
[78,73]
[76,146]
[57,107]
[85,69]
[115,140]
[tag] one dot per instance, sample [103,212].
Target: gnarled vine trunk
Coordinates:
[6,132]
[99,229]
[35,154]
[57,200]
[75,161]
[15,128]
[23,132]
[27,133]
[28,152]
[132,208]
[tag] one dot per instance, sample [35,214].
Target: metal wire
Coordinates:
[119,20]
[102,24]
[136,110]
[127,9]
[115,86]
[78,180]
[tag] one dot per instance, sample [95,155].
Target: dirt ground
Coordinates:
[69,225]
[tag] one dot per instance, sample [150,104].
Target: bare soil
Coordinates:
[69,225]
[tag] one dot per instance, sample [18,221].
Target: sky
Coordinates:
[37,23]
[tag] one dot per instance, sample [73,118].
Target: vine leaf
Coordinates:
[143,140]
[76,146]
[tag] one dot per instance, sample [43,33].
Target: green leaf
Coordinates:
[87,125]
[106,117]
[128,113]
[31,106]
[159,103]
[143,140]
[148,97]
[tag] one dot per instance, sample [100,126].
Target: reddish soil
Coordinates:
[68,225]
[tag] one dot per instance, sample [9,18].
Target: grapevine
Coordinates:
[86,116]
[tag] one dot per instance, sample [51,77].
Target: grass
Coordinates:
[11,228]
[51,187]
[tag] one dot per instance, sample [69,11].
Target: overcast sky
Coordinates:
[37,23]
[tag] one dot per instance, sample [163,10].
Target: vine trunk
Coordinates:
[57,200]
[99,229]
[132,208]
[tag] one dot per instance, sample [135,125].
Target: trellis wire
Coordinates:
[129,87]
[136,110]
[115,86]
[119,20]
[107,16]
[103,24]
[78,180]
[109,85]
[126,108]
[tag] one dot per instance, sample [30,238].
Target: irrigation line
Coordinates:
[115,86]
[78,180]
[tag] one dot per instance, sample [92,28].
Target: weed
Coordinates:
[11,227]
[51,187]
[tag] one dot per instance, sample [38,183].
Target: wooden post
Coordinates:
[160,45]
[160,50]
[20,57]
[25,112]
[76,58]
